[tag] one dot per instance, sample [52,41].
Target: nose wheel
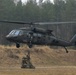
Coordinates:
[17,45]
[26,61]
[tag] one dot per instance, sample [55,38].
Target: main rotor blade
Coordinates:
[54,23]
[16,22]
[38,23]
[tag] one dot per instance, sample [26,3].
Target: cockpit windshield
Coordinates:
[16,32]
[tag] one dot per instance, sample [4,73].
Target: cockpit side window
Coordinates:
[39,35]
[15,32]
[21,32]
[12,32]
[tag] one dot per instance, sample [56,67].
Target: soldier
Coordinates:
[26,62]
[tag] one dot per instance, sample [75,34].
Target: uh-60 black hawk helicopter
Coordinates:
[37,36]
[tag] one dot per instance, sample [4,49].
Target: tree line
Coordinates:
[33,11]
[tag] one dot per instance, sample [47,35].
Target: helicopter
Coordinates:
[37,36]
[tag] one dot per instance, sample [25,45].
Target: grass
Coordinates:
[51,71]
[44,56]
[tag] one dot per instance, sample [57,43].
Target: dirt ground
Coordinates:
[52,70]
[47,61]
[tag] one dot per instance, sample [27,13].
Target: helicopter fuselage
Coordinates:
[36,38]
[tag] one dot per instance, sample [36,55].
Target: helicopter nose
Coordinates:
[7,37]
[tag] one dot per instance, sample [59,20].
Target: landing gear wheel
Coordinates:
[30,45]
[17,45]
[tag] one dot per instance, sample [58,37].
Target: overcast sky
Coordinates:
[37,0]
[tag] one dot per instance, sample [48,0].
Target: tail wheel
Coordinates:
[17,45]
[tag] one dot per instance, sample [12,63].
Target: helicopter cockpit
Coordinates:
[15,33]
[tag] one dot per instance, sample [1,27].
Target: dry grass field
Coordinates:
[46,60]
[40,71]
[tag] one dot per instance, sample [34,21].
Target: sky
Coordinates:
[37,0]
